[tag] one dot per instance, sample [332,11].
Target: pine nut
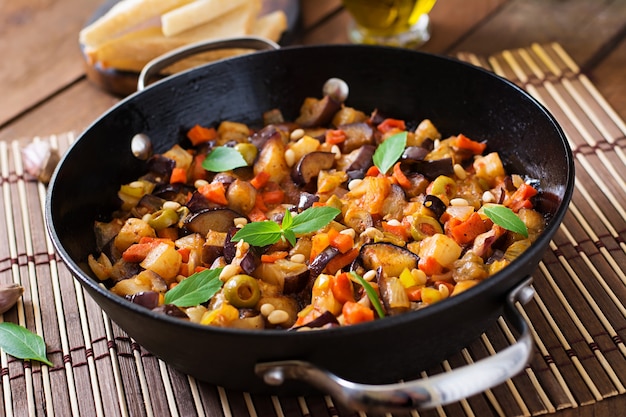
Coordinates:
[459,171]
[296,134]
[459,202]
[278,316]
[290,157]
[298,258]
[350,232]
[444,291]
[335,149]
[369,275]
[354,183]
[229,271]
[488,197]
[267,308]
[394,222]
[174,205]
[200,183]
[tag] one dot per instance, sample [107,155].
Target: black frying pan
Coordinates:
[409,85]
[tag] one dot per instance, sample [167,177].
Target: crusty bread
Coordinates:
[132,49]
[123,16]
[195,14]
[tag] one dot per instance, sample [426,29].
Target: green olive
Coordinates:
[248,151]
[242,291]
[424,226]
[163,218]
[443,185]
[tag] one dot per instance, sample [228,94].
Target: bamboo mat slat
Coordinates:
[577,318]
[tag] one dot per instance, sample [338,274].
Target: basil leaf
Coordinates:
[223,158]
[259,233]
[313,219]
[195,289]
[21,343]
[290,236]
[287,220]
[505,217]
[388,153]
[371,294]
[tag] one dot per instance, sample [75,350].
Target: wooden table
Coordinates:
[44,90]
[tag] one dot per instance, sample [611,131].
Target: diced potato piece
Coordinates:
[441,248]
[164,260]
[272,160]
[425,130]
[489,168]
[181,156]
[144,281]
[303,146]
[232,131]
[132,231]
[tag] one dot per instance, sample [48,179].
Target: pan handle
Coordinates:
[427,393]
[153,67]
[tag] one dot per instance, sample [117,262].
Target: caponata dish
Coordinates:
[336,218]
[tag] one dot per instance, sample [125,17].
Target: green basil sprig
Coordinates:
[268,232]
[223,158]
[388,152]
[195,289]
[371,294]
[506,218]
[21,343]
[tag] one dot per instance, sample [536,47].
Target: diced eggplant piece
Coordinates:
[173,192]
[122,270]
[358,219]
[310,166]
[260,138]
[357,135]
[319,263]
[160,168]
[391,258]
[148,299]
[290,277]
[105,232]
[306,200]
[250,261]
[230,247]
[171,310]
[198,203]
[219,220]
[213,246]
[325,320]
[393,295]
[316,112]
[433,169]
[414,153]
[358,159]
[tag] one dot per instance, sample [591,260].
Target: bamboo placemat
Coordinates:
[578,318]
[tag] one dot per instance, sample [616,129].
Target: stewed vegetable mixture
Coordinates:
[337,218]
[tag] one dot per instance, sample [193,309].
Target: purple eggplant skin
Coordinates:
[358,135]
[432,169]
[159,169]
[325,320]
[414,153]
[391,258]
[310,165]
[316,112]
[362,159]
[171,310]
[319,263]
[306,200]
[148,299]
[434,203]
[218,219]
[251,260]
[260,137]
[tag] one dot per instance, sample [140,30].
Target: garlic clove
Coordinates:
[9,294]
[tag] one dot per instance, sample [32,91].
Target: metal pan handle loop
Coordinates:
[427,393]
[153,67]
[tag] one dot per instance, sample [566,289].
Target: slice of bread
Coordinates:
[195,14]
[123,16]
